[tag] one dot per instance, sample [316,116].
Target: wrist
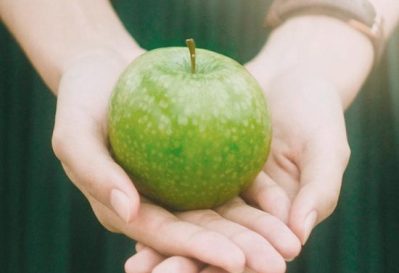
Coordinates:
[97,58]
[320,46]
[300,88]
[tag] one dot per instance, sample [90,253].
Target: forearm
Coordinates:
[54,33]
[321,48]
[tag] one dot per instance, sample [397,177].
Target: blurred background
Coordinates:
[46,225]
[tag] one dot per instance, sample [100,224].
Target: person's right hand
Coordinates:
[235,236]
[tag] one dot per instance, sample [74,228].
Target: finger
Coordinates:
[212,269]
[321,180]
[269,196]
[260,255]
[79,137]
[268,226]
[139,246]
[281,167]
[280,176]
[173,264]
[90,166]
[143,262]
[159,229]
[178,264]
[163,231]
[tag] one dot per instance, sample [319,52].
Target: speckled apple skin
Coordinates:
[189,141]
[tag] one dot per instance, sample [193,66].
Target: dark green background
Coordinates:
[47,226]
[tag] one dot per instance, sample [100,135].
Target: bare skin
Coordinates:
[308,91]
[76,46]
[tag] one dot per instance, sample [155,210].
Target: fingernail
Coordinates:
[121,205]
[310,222]
[289,260]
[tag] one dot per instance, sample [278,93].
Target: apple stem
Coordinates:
[191,47]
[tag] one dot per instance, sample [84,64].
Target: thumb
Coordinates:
[89,165]
[320,184]
[93,171]
[79,137]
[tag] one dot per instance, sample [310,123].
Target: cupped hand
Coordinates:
[222,239]
[264,240]
[232,237]
[80,130]
[303,174]
[309,151]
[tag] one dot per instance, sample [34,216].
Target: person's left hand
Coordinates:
[309,152]
[308,157]
[264,239]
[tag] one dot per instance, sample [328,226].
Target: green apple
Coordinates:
[190,134]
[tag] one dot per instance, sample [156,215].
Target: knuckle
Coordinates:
[331,202]
[263,191]
[246,236]
[105,223]
[346,153]
[58,143]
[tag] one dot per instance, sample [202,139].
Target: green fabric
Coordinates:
[47,226]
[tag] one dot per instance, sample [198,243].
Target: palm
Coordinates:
[309,149]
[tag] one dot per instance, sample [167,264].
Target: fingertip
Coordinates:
[143,262]
[238,262]
[232,257]
[278,266]
[289,245]
[312,205]
[123,197]
[129,265]
[93,170]
[292,250]
[303,219]
[265,258]
[177,264]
